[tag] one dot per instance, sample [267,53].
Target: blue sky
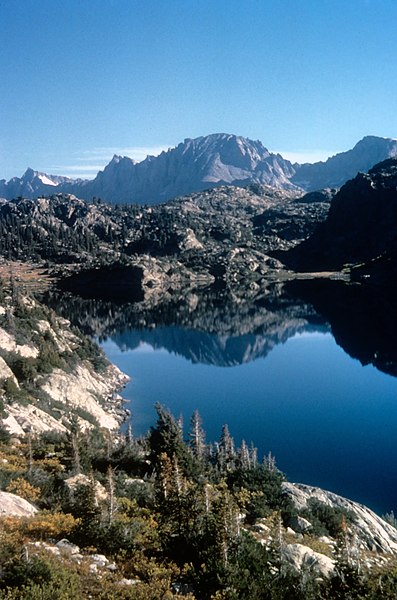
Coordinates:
[84,79]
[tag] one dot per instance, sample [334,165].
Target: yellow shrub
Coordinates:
[23,488]
[40,526]
[49,525]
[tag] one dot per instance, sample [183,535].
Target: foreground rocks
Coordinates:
[12,505]
[372,533]
[301,557]
[51,375]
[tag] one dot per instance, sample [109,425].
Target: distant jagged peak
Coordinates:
[30,175]
[118,158]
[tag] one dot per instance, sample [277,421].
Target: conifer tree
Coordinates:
[244,456]
[197,436]
[167,438]
[227,453]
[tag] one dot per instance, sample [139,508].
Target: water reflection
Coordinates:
[329,421]
[363,319]
[225,328]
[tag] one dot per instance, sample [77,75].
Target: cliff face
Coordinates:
[361,225]
[51,375]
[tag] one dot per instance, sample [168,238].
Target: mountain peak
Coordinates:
[29,173]
[370,140]
[206,162]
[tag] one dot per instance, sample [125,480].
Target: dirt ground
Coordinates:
[27,275]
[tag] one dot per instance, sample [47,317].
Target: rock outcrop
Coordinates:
[54,375]
[12,505]
[371,532]
[301,557]
[361,227]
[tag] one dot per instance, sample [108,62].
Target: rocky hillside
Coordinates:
[224,234]
[361,227]
[51,375]
[202,163]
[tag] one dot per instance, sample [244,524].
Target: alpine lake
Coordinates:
[306,370]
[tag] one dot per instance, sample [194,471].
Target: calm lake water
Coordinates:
[304,369]
[329,421]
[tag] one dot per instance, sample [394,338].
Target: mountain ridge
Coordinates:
[201,163]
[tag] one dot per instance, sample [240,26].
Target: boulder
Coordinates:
[67,546]
[300,556]
[80,479]
[299,524]
[12,505]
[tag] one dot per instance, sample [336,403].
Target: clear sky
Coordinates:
[84,79]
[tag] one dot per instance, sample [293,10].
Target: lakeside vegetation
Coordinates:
[175,519]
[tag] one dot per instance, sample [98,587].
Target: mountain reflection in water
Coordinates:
[222,328]
[328,421]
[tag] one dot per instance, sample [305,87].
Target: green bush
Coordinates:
[38,578]
[326,520]
[266,483]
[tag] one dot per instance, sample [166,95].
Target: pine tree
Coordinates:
[197,436]
[167,438]
[227,453]
[244,456]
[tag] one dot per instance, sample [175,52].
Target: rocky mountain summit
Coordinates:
[338,169]
[202,163]
[194,165]
[32,184]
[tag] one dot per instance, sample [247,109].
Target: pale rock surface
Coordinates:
[190,241]
[8,343]
[30,417]
[12,425]
[300,524]
[370,530]
[66,546]
[300,556]
[125,581]
[81,479]
[12,505]
[6,373]
[82,389]
[65,342]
